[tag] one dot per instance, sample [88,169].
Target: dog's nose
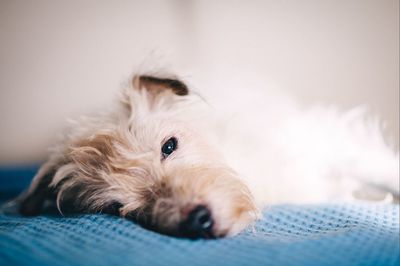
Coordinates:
[199,223]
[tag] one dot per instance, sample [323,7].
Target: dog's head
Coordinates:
[151,161]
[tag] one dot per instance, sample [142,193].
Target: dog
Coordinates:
[164,159]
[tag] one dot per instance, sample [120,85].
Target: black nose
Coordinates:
[199,223]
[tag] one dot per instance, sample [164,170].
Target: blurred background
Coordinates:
[60,59]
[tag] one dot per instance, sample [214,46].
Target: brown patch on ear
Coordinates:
[156,85]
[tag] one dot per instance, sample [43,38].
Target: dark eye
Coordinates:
[169,147]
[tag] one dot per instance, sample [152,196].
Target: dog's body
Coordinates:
[165,159]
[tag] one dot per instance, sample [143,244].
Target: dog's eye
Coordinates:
[169,147]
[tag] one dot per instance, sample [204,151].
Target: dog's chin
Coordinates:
[215,233]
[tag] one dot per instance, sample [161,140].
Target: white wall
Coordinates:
[59,59]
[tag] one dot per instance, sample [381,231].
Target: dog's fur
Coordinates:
[112,163]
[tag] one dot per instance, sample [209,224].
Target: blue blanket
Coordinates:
[333,234]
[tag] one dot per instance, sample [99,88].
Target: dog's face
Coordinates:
[150,162]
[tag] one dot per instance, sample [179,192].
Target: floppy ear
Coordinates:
[32,202]
[156,85]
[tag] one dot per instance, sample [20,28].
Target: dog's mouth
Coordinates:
[199,223]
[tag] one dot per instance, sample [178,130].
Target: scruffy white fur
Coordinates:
[314,155]
[289,153]
[247,139]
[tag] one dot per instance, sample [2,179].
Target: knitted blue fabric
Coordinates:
[334,234]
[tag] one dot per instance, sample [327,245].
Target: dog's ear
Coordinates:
[157,85]
[155,88]
[32,202]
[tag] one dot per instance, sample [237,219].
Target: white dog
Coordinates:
[168,160]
